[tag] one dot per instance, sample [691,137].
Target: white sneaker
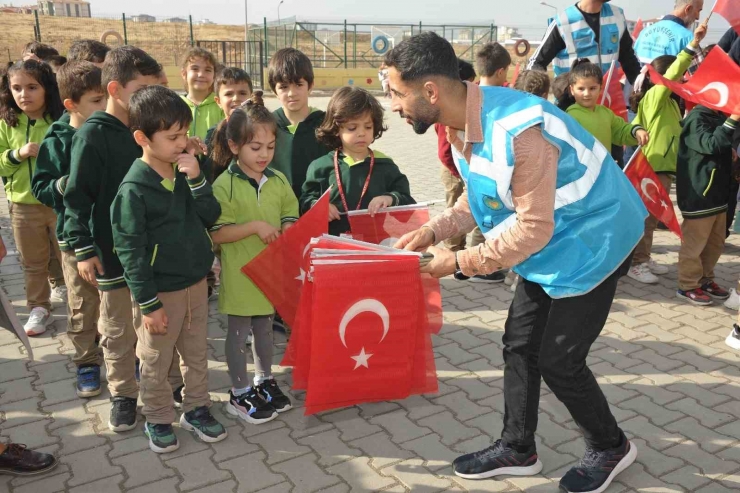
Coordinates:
[59,294]
[641,273]
[733,302]
[510,278]
[733,340]
[37,321]
[656,268]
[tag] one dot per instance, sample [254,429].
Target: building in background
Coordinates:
[143,18]
[176,20]
[64,8]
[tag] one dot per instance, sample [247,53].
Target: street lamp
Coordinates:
[281,2]
[548,5]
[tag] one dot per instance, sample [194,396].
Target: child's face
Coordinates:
[29,94]
[586,91]
[167,145]
[163,80]
[231,96]
[258,153]
[89,103]
[124,92]
[199,75]
[292,96]
[500,76]
[357,134]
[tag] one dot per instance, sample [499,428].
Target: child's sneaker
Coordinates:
[696,296]
[733,340]
[88,381]
[270,391]
[733,302]
[177,396]
[38,319]
[162,438]
[122,413]
[715,291]
[201,421]
[251,407]
[641,273]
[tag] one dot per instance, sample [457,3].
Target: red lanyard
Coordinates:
[339,180]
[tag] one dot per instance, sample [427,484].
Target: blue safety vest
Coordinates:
[666,37]
[580,39]
[599,217]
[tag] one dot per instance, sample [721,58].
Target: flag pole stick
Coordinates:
[418,205]
[608,82]
[637,151]
[711,12]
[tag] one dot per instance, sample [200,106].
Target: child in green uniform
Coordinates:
[257,205]
[81,90]
[159,219]
[198,73]
[368,179]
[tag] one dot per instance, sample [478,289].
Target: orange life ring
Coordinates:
[518,44]
[113,33]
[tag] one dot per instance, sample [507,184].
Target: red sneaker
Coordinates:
[713,290]
[696,296]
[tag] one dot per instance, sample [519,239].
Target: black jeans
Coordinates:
[550,338]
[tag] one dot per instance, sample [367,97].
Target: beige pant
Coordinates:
[116,325]
[454,187]
[702,245]
[83,310]
[34,229]
[187,331]
[642,251]
[56,270]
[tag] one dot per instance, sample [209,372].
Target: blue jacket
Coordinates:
[669,36]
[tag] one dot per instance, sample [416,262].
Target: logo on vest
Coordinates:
[492,203]
[615,38]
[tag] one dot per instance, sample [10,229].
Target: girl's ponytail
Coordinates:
[221,155]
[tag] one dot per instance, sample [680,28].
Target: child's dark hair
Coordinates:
[232,75]
[42,73]
[198,52]
[289,66]
[239,129]
[126,63]
[88,50]
[57,61]
[492,58]
[581,69]
[534,82]
[346,104]
[661,64]
[155,108]
[467,72]
[41,50]
[78,77]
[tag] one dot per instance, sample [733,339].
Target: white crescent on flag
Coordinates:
[367,305]
[644,184]
[302,275]
[721,88]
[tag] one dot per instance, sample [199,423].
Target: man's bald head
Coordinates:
[688,10]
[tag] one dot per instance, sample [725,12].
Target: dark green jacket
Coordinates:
[103,150]
[294,152]
[159,231]
[704,166]
[52,171]
[387,179]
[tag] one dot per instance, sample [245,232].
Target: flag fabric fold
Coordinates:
[730,10]
[612,95]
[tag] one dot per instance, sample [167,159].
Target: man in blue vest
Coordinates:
[590,29]
[554,206]
[671,34]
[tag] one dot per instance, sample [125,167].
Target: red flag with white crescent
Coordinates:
[612,95]
[656,199]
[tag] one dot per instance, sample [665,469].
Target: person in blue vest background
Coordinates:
[671,34]
[554,206]
[591,29]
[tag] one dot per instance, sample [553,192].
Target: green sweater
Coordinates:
[103,150]
[52,172]
[660,115]
[603,124]
[159,231]
[704,166]
[205,115]
[386,179]
[17,173]
[296,148]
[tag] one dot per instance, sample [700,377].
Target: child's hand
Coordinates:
[187,164]
[196,146]
[380,202]
[156,322]
[29,150]
[88,268]
[286,226]
[267,232]
[334,213]
[642,137]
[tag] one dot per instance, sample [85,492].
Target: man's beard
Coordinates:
[427,116]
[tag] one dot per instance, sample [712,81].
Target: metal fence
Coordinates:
[247,55]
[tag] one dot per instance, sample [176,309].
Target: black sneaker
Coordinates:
[733,340]
[122,413]
[497,460]
[162,438]
[460,276]
[20,461]
[202,423]
[493,278]
[251,407]
[270,392]
[595,472]
[177,396]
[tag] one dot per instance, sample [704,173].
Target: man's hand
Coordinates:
[3,250]
[700,33]
[196,146]
[378,203]
[443,264]
[416,241]
[187,164]
[29,150]
[642,137]
[156,322]
[88,268]
[267,232]
[334,213]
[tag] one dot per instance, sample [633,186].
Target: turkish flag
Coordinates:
[715,84]
[612,95]
[279,270]
[367,342]
[515,76]
[730,10]
[656,199]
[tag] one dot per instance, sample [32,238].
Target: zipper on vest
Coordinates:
[711,179]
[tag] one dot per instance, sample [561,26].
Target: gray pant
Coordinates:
[262,348]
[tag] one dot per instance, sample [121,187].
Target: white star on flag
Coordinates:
[361,359]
